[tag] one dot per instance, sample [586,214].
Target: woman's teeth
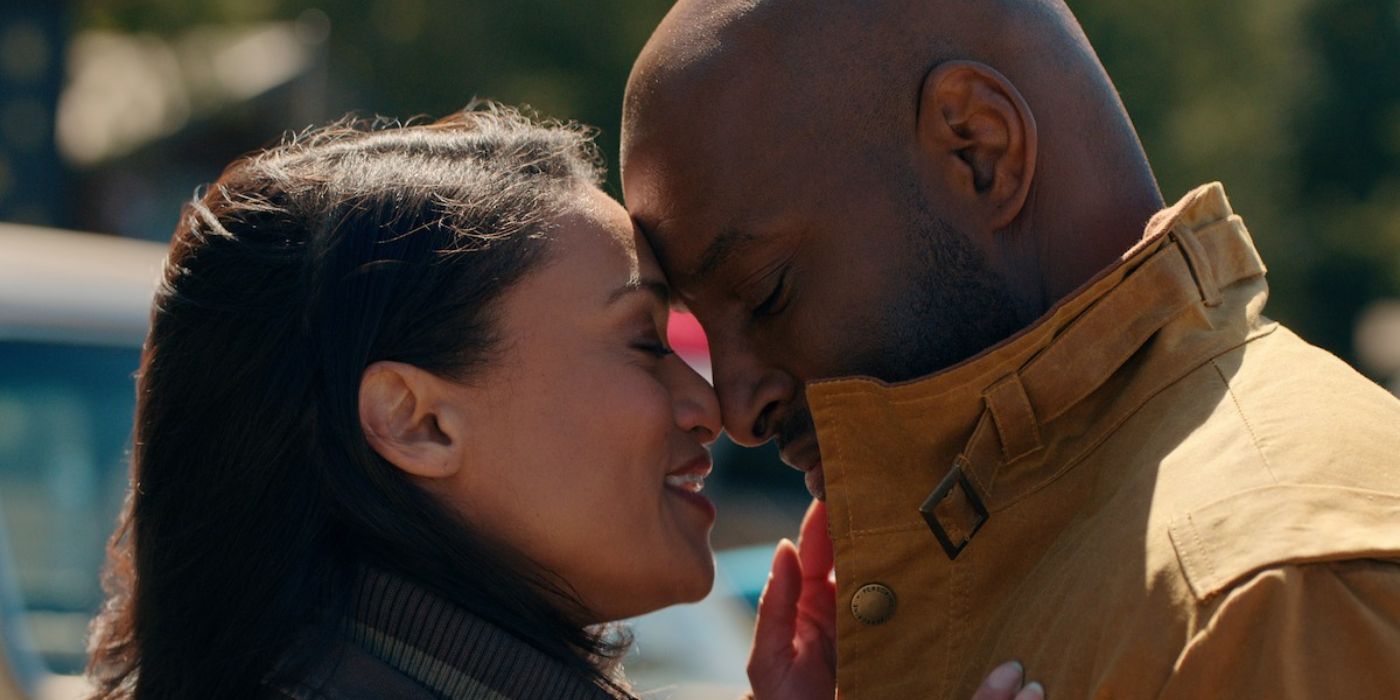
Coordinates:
[686,482]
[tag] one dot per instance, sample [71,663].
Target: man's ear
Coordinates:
[406,421]
[981,135]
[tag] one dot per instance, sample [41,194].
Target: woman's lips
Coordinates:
[691,482]
[698,466]
[687,481]
[694,498]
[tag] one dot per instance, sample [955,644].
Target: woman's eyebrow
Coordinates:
[654,287]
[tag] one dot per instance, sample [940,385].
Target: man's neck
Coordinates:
[1092,241]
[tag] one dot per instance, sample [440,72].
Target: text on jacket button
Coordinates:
[873,603]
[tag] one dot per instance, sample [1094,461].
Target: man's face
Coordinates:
[803,265]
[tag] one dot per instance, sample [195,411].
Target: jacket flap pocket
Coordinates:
[1223,542]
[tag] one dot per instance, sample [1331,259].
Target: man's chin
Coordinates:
[816,482]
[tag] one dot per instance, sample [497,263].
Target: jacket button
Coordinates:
[873,603]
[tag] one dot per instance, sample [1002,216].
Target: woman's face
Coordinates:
[584,437]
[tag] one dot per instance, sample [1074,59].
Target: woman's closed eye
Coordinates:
[653,345]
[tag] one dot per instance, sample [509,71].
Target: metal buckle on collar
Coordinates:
[955,477]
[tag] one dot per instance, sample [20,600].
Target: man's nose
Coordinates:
[752,395]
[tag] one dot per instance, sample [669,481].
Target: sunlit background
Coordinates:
[112,112]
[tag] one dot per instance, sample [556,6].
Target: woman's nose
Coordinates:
[696,406]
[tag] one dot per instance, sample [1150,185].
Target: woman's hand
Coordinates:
[1003,683]
[794,645]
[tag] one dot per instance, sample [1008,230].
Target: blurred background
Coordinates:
[113,111]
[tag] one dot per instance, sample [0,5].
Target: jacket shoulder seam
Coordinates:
[1249,427]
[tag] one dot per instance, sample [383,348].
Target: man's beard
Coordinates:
[953,306]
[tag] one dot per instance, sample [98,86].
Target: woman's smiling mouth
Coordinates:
[688,481]
[692,483]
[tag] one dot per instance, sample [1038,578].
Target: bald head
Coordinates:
[879,187]
[741,75]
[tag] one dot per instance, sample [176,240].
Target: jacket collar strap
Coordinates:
[1175,268]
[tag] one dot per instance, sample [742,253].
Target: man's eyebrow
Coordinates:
[654,287]
[721,249]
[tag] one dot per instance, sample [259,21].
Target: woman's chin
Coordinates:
[701,585]
[690,588]
[691,573]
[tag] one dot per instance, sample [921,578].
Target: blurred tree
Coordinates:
[1295,106]
[1349,164]
[429,57]
[33,180]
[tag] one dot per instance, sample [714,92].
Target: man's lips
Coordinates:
[816,482]
[805,458]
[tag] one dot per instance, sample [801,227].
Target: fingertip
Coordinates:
[792,559]
[784,549]
[777,605]
[815,546]
[786,565]
[816,514]
[1032,691]
[1006,676]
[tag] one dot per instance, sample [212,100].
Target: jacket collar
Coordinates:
[977,437]
[449,650]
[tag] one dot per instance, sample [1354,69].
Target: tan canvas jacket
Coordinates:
[1153,492]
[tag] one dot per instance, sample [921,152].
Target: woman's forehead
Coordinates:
[598,243]
[607,217]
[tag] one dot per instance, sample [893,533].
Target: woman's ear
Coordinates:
[980,134]
[403,416]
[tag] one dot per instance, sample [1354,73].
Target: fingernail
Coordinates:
[1006,676]
[1035,689]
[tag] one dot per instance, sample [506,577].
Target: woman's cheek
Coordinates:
[637,392]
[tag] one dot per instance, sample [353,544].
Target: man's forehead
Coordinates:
[706,211]
[679,248]
[675,205]
[696,183]
[694,257]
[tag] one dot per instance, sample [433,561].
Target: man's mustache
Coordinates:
[793,426]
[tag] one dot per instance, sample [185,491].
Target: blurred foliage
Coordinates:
[403,58]
[1294,104]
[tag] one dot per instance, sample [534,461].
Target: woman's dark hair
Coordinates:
[255,496]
